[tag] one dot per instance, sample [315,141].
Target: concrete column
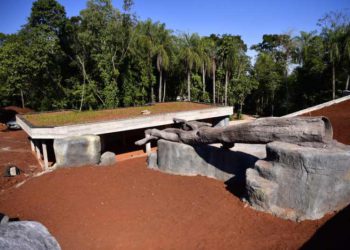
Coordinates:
[223,122]
[148,145]
[37,150]
[46,161]
[32,144]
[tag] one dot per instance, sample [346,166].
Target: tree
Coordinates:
[347,55]
[333,28]
[303,44]
[242,88]
[190,56]
[33,60]
[213,51]
[309,77]
[147,41]
[204,54]
[48,14]
[266,72]
[282,48]
[162,50]
[232,52]
[15,75]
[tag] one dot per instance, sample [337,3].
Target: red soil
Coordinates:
[131,207]
[128,206]
[18,110]
[15,150]
[339,116]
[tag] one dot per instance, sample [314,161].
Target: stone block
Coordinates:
[107,158]
[300,183]
[77,151]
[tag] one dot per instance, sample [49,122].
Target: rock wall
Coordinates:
[204,160]
[300,183]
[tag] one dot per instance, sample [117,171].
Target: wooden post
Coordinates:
[148,145]
[46,161]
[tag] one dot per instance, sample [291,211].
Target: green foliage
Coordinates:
[106,58]
[48,14]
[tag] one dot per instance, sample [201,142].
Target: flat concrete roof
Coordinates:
[112,126]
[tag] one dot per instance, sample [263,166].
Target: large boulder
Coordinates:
[299,183]
[107,158]
[77,150]
[26,235]
[204,160]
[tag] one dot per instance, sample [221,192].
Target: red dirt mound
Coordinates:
[18,110]
[8,113]
[339,116]
[131,207]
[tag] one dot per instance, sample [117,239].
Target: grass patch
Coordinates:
[76,117]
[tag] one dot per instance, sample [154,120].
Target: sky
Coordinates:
[248,18]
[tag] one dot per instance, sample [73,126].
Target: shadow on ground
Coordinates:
[334,234]
[7,115]
[235,163]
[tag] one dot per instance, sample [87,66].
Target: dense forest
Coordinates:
[107,58]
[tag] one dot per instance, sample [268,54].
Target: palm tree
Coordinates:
[334,55]
[204,53]
[162,53]
[212,51]
[232,54]
[147,40]
[303,43]
[190,56]
[162,63]
[334,27]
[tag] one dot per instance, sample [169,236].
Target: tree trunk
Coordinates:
[226,84]
[347,83]
[82,94]
[22,98]
[311,131]
[84,82]
[203,80]
[164,88]
[218,92]
[160,86]
[189,85]
[287,89]
[152,93]
[272,104]
[333,81]
[240,109]
[213,67]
